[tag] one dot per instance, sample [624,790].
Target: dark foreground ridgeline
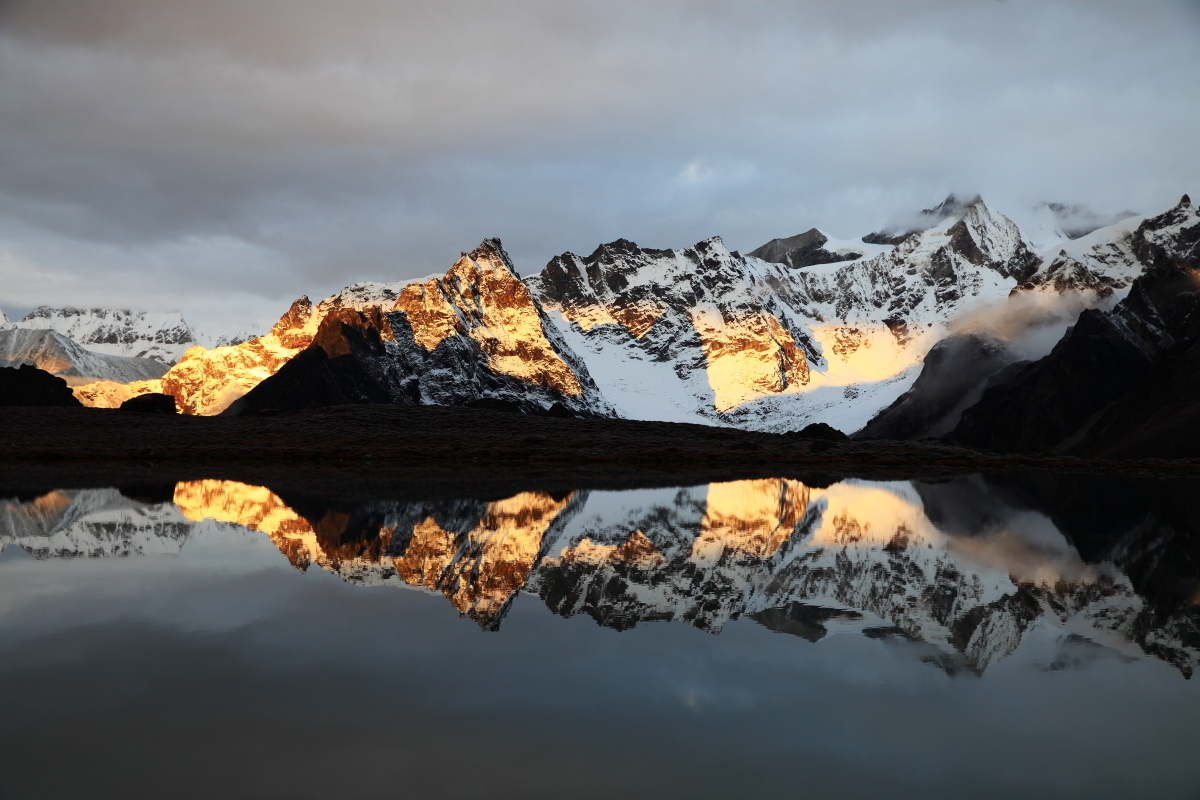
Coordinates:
[471,443]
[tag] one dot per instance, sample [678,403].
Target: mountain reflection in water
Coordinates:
[962,571]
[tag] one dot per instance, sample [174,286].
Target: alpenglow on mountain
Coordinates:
[831,330]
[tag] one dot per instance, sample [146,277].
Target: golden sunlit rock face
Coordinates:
[254,507]
[205,381]
[480,571]
[481,298]
[110,394]
[750,519]
[748,357]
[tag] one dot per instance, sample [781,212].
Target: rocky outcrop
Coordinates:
[803,250]
[150,403]
[27,385]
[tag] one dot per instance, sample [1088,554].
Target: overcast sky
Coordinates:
[222,158]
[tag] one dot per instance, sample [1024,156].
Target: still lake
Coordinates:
[987,636]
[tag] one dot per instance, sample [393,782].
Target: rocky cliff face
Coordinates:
[479,325]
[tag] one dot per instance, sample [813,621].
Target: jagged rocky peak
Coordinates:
[926,219]
[1171,239]
[803,250]
[483,299]
[987,238]
[474,335]
[719,323]
[291,327]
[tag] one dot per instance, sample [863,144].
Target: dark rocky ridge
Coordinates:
[802,250]
[1119,383]
[1042,404]
[27,385]
[952,379]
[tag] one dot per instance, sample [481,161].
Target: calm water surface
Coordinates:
[984,637]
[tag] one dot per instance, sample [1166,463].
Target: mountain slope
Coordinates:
[55,353]
[1053,402]
[703,334]
[137,334]
[208,381]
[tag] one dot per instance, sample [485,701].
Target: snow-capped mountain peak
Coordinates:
[163,336]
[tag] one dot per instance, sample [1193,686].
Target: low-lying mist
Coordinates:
[1029,323]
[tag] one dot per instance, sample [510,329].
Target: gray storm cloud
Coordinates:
[221,158]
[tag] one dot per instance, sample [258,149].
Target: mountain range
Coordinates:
[939,326]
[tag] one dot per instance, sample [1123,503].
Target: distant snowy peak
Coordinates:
[1108,260]
[5,323]
[117,332]
[926,219]
[55,353]
[1077,220]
